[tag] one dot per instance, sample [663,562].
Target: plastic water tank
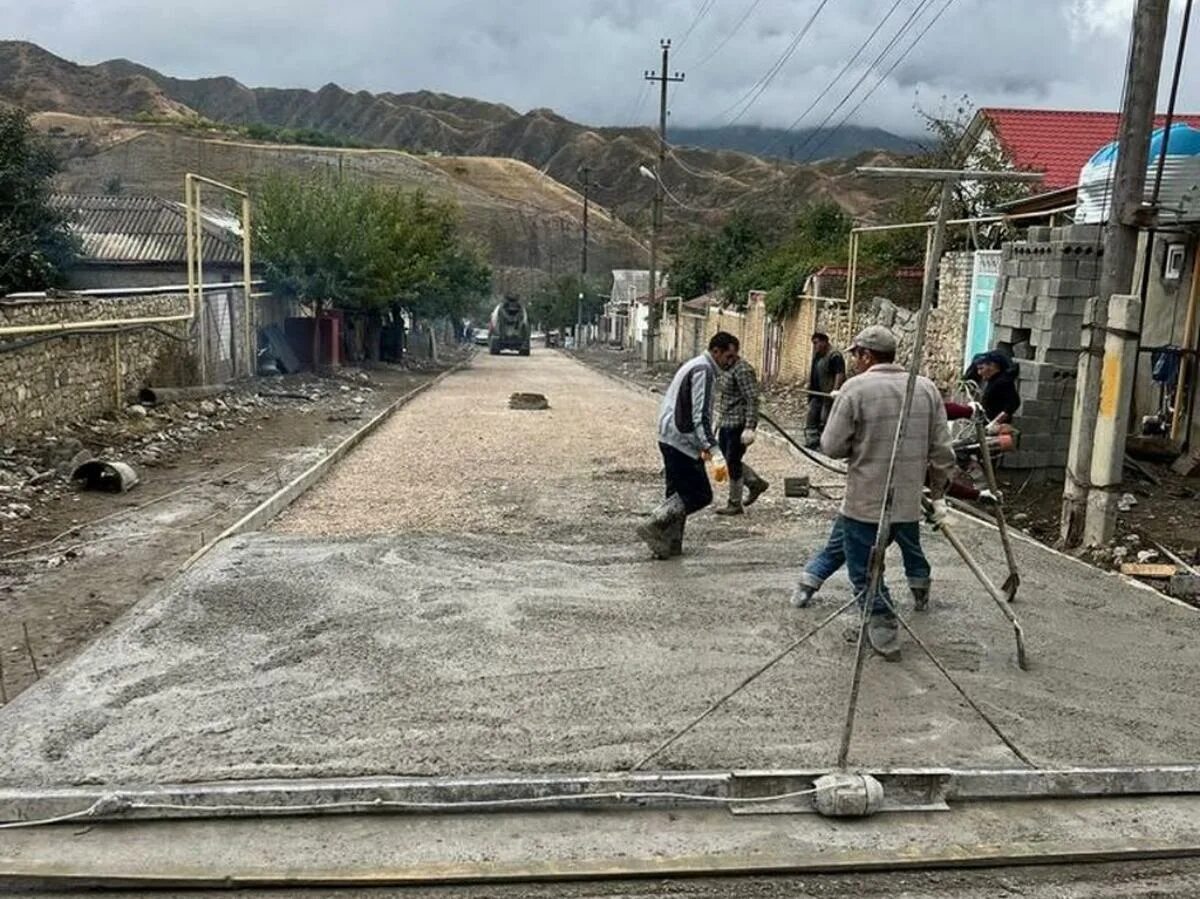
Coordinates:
[1179,196]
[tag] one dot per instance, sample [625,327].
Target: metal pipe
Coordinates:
[154,396]
[941,175]
[251,342]
[92,325]
[852,287]
[977,220]
[1187,365]
[202,310]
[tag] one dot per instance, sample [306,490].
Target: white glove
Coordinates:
[938,511]
[834,394]
[748,436]
[986,496]
[977,410]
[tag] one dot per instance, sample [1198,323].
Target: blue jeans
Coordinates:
[837,552]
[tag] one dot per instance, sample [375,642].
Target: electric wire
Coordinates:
[924,31]
[917,11]
[705,7]
[838,77]
[756,91]
[729,35]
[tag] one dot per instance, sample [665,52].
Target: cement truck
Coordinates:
[508,328]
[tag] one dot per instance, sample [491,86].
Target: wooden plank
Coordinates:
[1149,569]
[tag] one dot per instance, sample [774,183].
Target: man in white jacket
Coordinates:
[687,441]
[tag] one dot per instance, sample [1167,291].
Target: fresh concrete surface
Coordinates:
[504,620]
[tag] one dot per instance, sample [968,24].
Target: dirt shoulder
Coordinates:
[71,561]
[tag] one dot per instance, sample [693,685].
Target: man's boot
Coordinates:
[920,597]
[883,633]
[734,506]
[677,536]
[657,531]
[802,596]
[756,485]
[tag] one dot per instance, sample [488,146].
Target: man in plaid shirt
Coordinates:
[737,427]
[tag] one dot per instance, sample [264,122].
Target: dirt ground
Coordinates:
[79,559]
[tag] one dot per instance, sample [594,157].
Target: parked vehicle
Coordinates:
[480,336]
[508,328]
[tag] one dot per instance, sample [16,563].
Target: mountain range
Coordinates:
[125,103]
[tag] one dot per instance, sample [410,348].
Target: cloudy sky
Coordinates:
[585,58]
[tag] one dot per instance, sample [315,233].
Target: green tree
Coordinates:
[709,258]
[555,304]
[36,244]
[346,243]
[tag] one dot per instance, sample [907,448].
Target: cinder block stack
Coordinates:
[1046,281]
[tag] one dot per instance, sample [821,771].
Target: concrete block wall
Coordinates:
[46,379]
[1046,281]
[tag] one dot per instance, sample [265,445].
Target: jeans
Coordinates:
[730,441]
[687,477]
[836,552]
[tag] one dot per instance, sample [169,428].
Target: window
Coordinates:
[1173,265]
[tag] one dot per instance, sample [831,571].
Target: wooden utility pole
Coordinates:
[656,213]
[1120,251]
[587,184]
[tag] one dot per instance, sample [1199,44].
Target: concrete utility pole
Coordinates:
[587,185]
[1120,251]
[656,213]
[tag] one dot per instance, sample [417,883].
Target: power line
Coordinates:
[728,37]
[885,75]
[756,91]
[838,77]
[917,12]
[704,9]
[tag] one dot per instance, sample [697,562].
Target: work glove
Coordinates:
[977,410]
[987,497]
[938,511]
[748,436]
[834,394]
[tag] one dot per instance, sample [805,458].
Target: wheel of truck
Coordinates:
[494,348]
[525,350]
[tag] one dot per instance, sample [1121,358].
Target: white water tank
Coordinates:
[1179,196]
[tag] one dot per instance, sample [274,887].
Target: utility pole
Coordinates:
[656,213]
[1120,250]
[587,184]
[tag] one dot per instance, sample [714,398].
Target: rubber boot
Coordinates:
[802,596]
[883,633]
[734,506]
[677,536]
[920,597]
[756,485]
[657,531]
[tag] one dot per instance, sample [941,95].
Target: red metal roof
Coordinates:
[1058,141]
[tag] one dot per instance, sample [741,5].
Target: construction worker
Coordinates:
[687,442]
[825,378]
[738,390]
[861,429]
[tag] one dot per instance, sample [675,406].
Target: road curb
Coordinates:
[277,502]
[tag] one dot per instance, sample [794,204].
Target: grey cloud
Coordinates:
[585,58]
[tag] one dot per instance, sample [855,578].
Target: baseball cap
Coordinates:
[876,338]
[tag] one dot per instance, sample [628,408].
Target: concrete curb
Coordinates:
[277,502]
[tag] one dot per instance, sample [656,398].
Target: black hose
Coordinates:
[809,454]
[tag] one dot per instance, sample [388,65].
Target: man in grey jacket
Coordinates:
[686,440]
[862,430]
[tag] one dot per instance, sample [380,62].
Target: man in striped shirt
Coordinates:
[738,426]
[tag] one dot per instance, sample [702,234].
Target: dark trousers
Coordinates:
[818,414]
[730,441]
[687,477]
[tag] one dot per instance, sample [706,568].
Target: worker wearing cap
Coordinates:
[861,429]
[687,441]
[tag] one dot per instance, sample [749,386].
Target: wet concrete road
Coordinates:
[463,594]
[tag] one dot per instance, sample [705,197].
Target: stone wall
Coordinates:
[1045,284]
[46,378]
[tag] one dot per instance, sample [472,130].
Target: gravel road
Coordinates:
[463,594]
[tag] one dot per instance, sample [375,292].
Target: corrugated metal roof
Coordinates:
[133,228]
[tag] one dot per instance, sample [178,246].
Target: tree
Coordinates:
[555,304]
[361,247]
[709,258]
[36,244]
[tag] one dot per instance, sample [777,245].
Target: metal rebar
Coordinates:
[774,660]
[1013,582]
